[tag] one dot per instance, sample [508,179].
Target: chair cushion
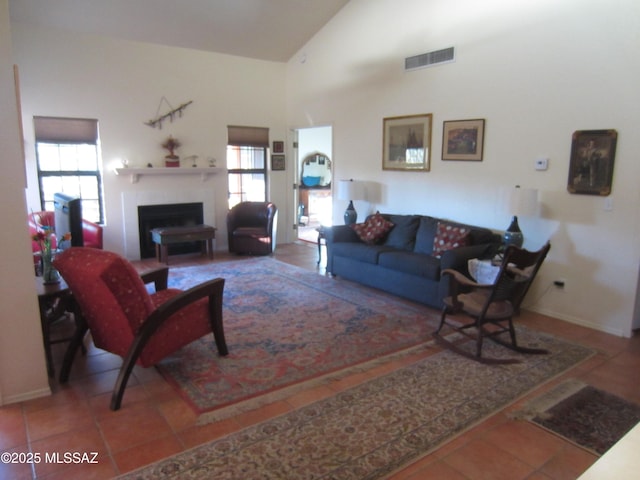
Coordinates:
[449,236]
[84,271]
[373,230]
[359,252]
[182,328]
[417,264]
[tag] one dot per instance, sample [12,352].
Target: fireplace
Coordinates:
[168,215]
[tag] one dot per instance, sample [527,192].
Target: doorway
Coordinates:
[315,181]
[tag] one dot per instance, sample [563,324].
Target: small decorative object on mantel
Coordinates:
[157,121]
[170,144]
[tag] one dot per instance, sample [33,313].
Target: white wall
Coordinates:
[536,71]
[122,84]
[23,373]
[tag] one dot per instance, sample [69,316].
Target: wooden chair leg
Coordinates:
[72,349]
[442,319]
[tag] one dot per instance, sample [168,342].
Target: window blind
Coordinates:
[66,130]
[248,136]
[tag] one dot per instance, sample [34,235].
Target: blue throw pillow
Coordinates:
[403,235]
[425,235]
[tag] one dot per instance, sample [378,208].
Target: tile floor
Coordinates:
[154,422]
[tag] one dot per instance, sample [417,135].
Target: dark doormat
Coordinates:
[589,417]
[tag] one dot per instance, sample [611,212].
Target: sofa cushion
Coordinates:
[417,264]
[359,251]
[449,236]
[403,234]
[374,229]
[425,235]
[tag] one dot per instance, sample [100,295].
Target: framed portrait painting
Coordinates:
[407,143]
[591,164]
[463,140]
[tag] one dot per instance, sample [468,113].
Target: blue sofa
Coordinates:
[402,262]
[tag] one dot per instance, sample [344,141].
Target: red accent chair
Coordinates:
[252,228]
[91,232]
[125,319]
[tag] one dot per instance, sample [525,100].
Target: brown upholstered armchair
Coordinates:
[251,228]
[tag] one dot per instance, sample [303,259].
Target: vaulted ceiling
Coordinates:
[271,30]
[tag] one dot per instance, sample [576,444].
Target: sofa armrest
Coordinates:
[338,234]
[341,233]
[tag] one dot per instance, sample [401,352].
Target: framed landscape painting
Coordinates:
[407,143]
[463,140]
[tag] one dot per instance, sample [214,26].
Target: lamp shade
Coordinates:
[523,202]
[350,190]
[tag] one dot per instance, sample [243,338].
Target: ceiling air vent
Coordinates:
[446,55]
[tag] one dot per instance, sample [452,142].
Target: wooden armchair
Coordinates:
[491,307]
[126,320]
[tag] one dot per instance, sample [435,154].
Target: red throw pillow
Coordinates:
[449,236]
[374,229]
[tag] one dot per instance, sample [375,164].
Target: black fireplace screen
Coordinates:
[170,215]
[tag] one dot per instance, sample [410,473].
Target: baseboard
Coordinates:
[578,321]
[23,397]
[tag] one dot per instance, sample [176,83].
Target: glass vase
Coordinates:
[49,273]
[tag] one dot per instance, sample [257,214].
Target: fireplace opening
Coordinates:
[169,215]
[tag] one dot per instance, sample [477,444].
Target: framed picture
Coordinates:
[591,164]
[463,140]
[407,143]
[277,162]
[278,147]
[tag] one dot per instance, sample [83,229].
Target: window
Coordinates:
[247,164]
[69,162]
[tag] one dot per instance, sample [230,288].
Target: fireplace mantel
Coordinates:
[136,173]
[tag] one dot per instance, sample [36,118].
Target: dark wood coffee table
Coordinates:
[165,236]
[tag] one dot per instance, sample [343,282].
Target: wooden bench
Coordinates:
[165,236]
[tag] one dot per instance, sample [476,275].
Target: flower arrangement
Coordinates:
[44,237]
[170,144]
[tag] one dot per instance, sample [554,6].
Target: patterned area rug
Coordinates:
[589,417]
[286,328]
[372,430]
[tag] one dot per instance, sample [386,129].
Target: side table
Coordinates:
[54,301]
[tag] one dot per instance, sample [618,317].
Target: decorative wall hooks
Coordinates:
[173,112]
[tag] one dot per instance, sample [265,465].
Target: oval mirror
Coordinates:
[316,171]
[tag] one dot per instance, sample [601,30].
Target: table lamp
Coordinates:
[350,190]
[523,202]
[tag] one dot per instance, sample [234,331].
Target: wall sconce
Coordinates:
[350,190]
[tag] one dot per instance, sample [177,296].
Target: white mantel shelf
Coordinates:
[136,173]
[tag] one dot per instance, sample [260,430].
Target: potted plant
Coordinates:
[171,144]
